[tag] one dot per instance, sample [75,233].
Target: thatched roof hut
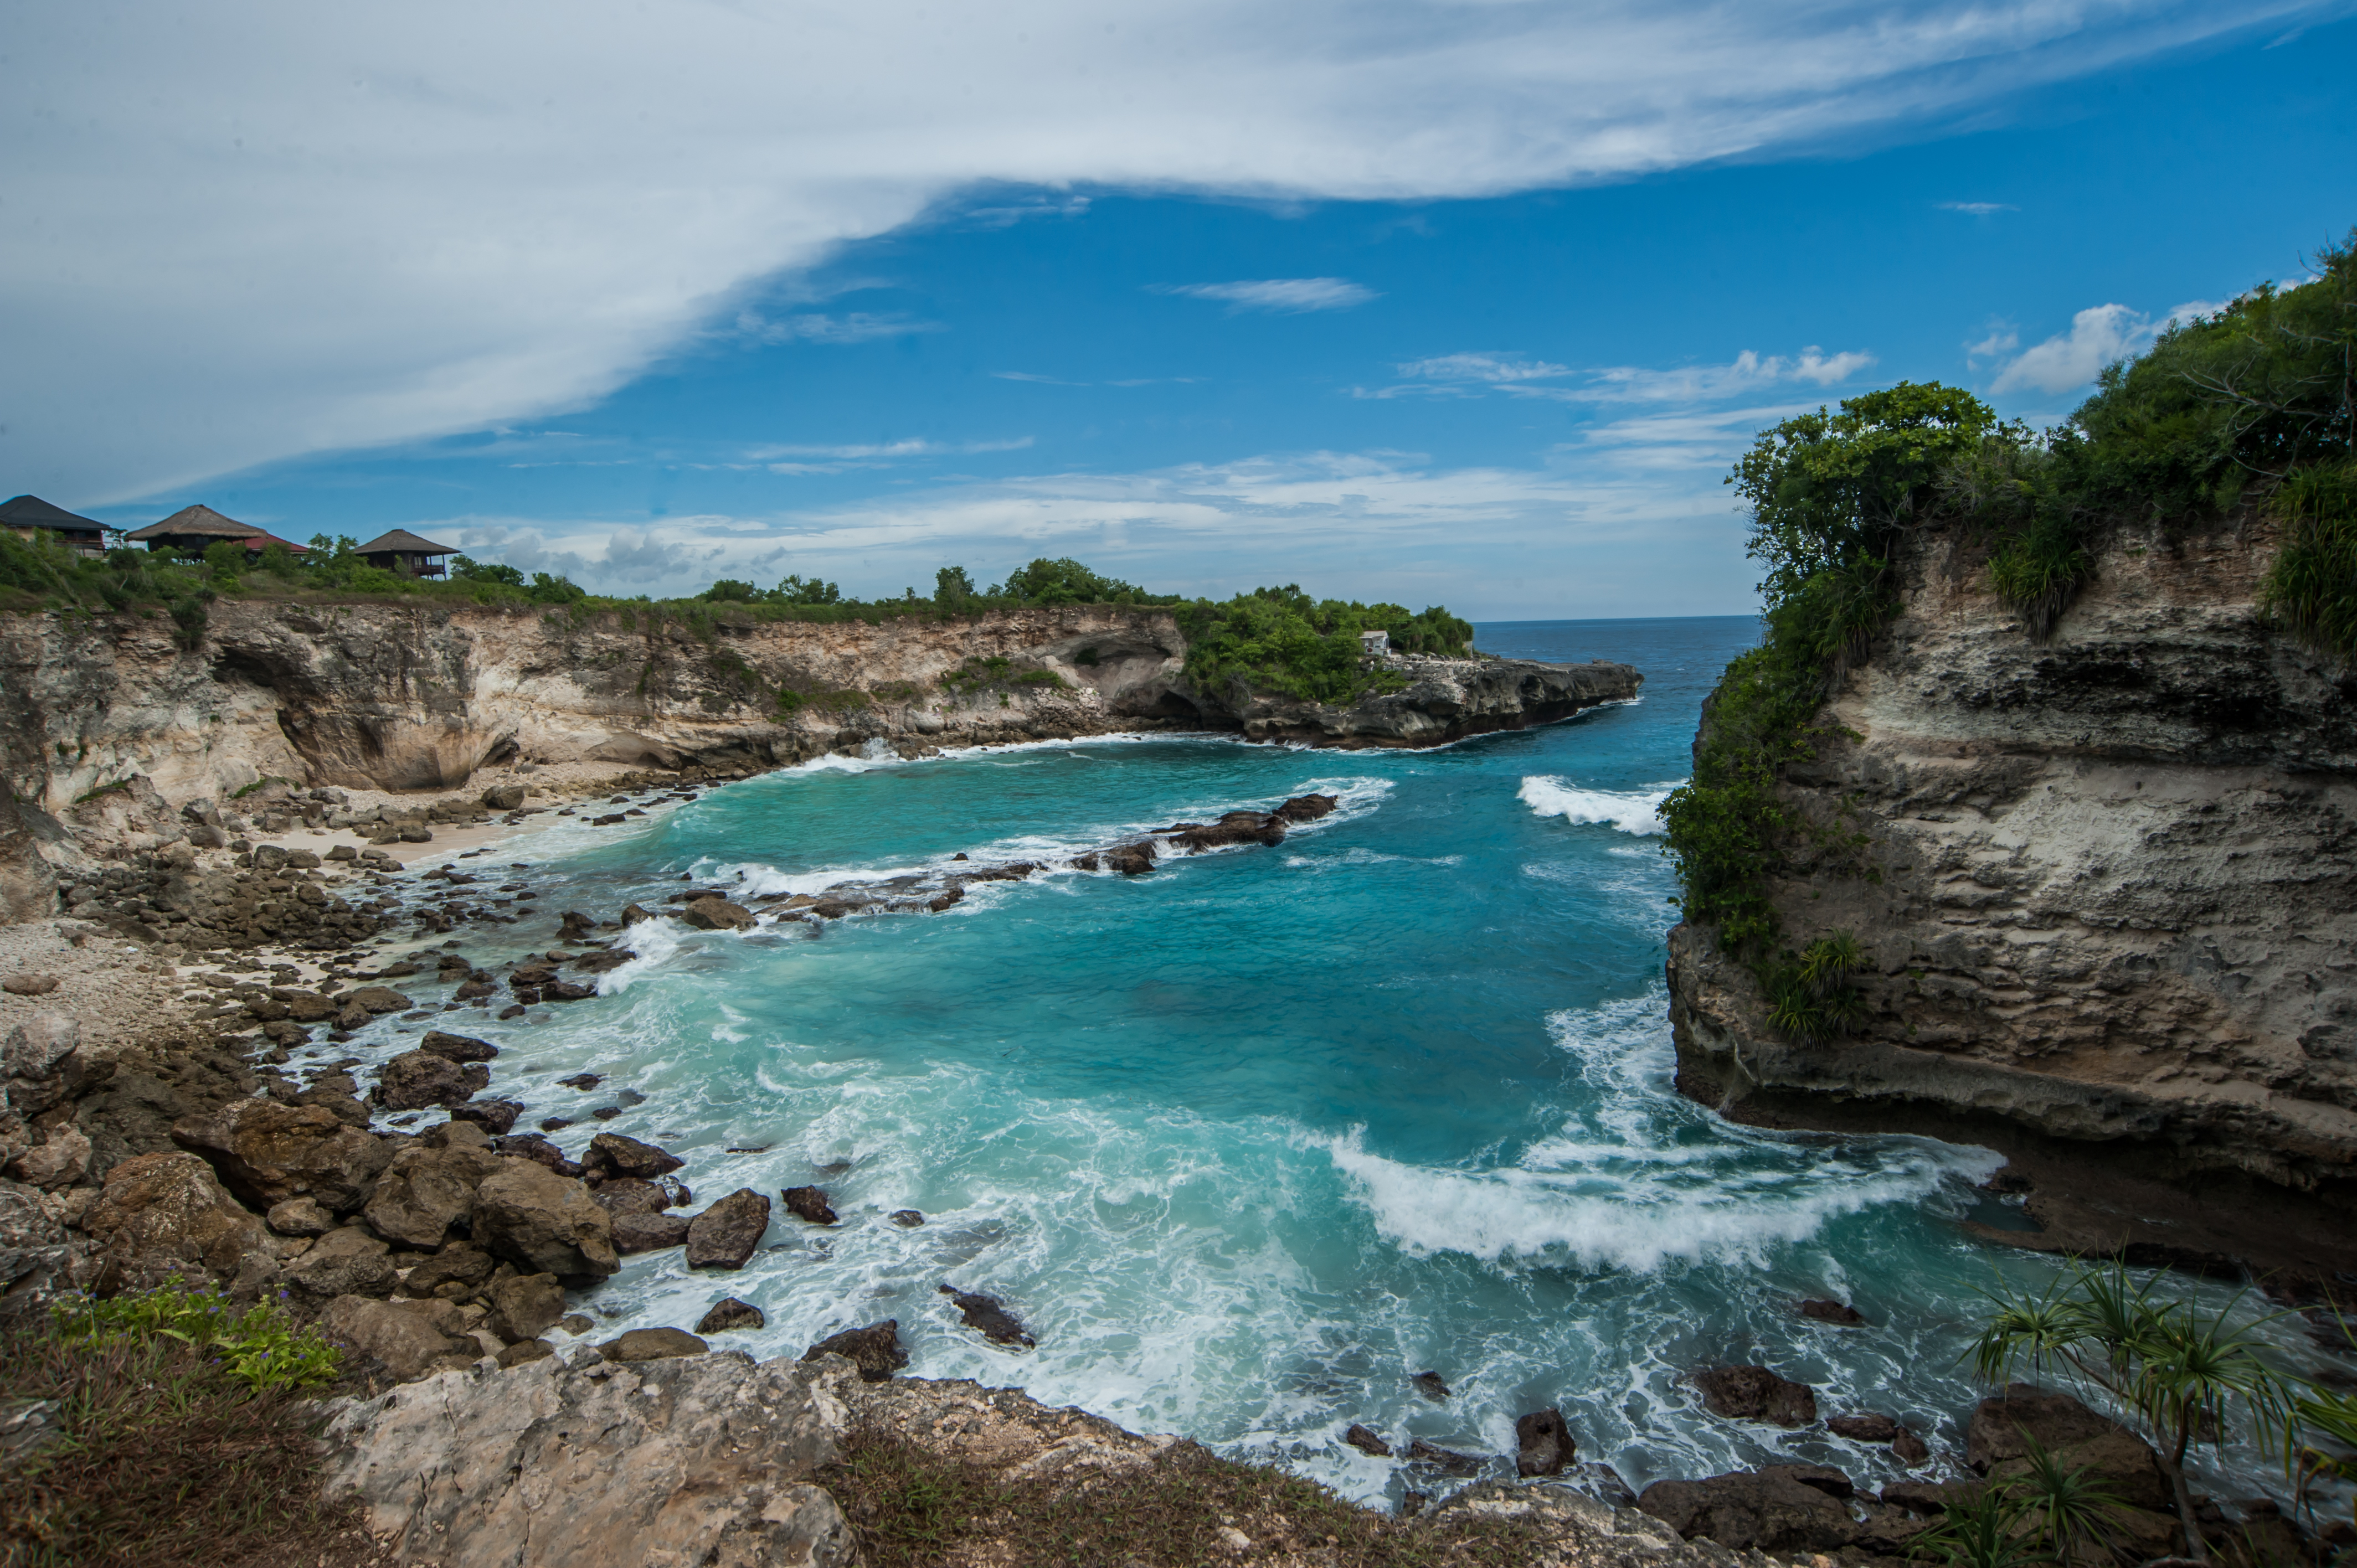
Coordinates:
[27,515]
[197,527]
[402,551]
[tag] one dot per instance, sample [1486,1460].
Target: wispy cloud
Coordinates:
[1281,296]
[1472,374]
[1978,209]
[2098,336]
[790,459]
[814,326]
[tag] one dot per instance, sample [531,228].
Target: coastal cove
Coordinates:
[1251,1139]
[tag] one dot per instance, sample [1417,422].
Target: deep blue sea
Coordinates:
[1250,1141]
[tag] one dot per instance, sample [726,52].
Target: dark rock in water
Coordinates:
[611,1153]
[1365,1441]
[989,1315]
[1833,1312]
[554,1123]
[526,976]
[874,1349]
[944,900]
[1783,1508]
[565,991]
[1131,860]
[1543,1442]
[653,1345]
[1085,862]
[1997,1442]
[524,1306]
[909,1218]
[1863,1428]
[633,913]
[604,959]
[534,1147]
[729,1312]
[647,1231]
[709,914]
[1236,827]
[606,1113]
[1908,1449]
[809,1203]
[515,1011]
[574,923]
[583,1080]
[1755,1393]
[457,1047]
[1430,1386]
[1603,1482]
[1306,808]
[618,1196]
[413,1081]
[1446,1460]
[724,1235]
[494,1116]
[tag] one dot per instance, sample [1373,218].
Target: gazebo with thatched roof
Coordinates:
[28,515]
[198,527]
[402,551]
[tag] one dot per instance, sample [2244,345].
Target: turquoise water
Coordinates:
[1251,1140]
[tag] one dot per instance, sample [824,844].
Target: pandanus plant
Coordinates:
[2184,1371]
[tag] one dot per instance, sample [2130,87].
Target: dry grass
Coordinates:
[915,1508]
[160,1458]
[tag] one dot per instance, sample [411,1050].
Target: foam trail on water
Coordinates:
[1631,811]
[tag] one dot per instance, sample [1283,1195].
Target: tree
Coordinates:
[794,590]
[730,589]
[952,589]
[465,570]
[2180,1369]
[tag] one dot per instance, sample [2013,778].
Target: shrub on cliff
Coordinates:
[1280,639]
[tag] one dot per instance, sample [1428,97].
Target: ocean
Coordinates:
[1249,1142]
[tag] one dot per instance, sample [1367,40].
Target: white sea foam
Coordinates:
[1630,811]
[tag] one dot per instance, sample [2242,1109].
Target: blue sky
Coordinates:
[1475,377]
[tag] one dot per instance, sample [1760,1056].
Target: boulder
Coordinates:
[41,1057]
[310,1007]
[543,1223]
[504,797]
[729,1312]
[908,1219]
[618,1196]
[1544,1444]
[494,1116]
[653,1345]
[634,913]
[1431,1385]
[523,1351]
[414,1079]
[36,1258]
[1863,1428]
[874,1349]
[1781,1508]
[809,1203]
[60,1161]
[425,1190]
[642,1232]
[711,913]
[724,1236]
[1832,1312]
[23,983]
[1996,1440]
[266,1153]
[702,1460]
[299,1216]
[456,1272]
[458,1047]
[165,1216]
[524,1306]
[611,1153]
[1755,1393]
[989,1315]
[377,999]
[1306,808]
[565,991]
[323,1276]
[1367,1441]
[1448,1461]
[412,1338]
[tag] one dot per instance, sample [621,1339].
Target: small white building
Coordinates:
[1376,644]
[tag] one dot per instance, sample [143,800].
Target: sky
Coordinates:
[1469,304]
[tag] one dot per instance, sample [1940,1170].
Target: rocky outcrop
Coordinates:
[2107,888]
[1444,700]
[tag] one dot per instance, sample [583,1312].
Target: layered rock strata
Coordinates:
[2106,887]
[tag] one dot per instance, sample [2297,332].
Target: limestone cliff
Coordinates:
[2107,888]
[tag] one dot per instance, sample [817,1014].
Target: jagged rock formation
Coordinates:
[417,697]
[2107,889]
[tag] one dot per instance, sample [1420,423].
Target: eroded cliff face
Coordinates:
[2107,884]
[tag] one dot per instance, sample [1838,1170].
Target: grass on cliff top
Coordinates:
[914,1509]
[173,1441]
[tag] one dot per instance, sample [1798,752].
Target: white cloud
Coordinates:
[877,455]
[1469,374]
[247,232]
[2098,336]
[1283,296]
[856,327]
[2002,339]
[1978,209]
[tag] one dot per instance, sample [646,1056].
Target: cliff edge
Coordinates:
[2106,889]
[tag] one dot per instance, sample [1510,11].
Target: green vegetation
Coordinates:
[1280,640]
[180,1434]
[2253,410]
[2184,1371]
[911,1509]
